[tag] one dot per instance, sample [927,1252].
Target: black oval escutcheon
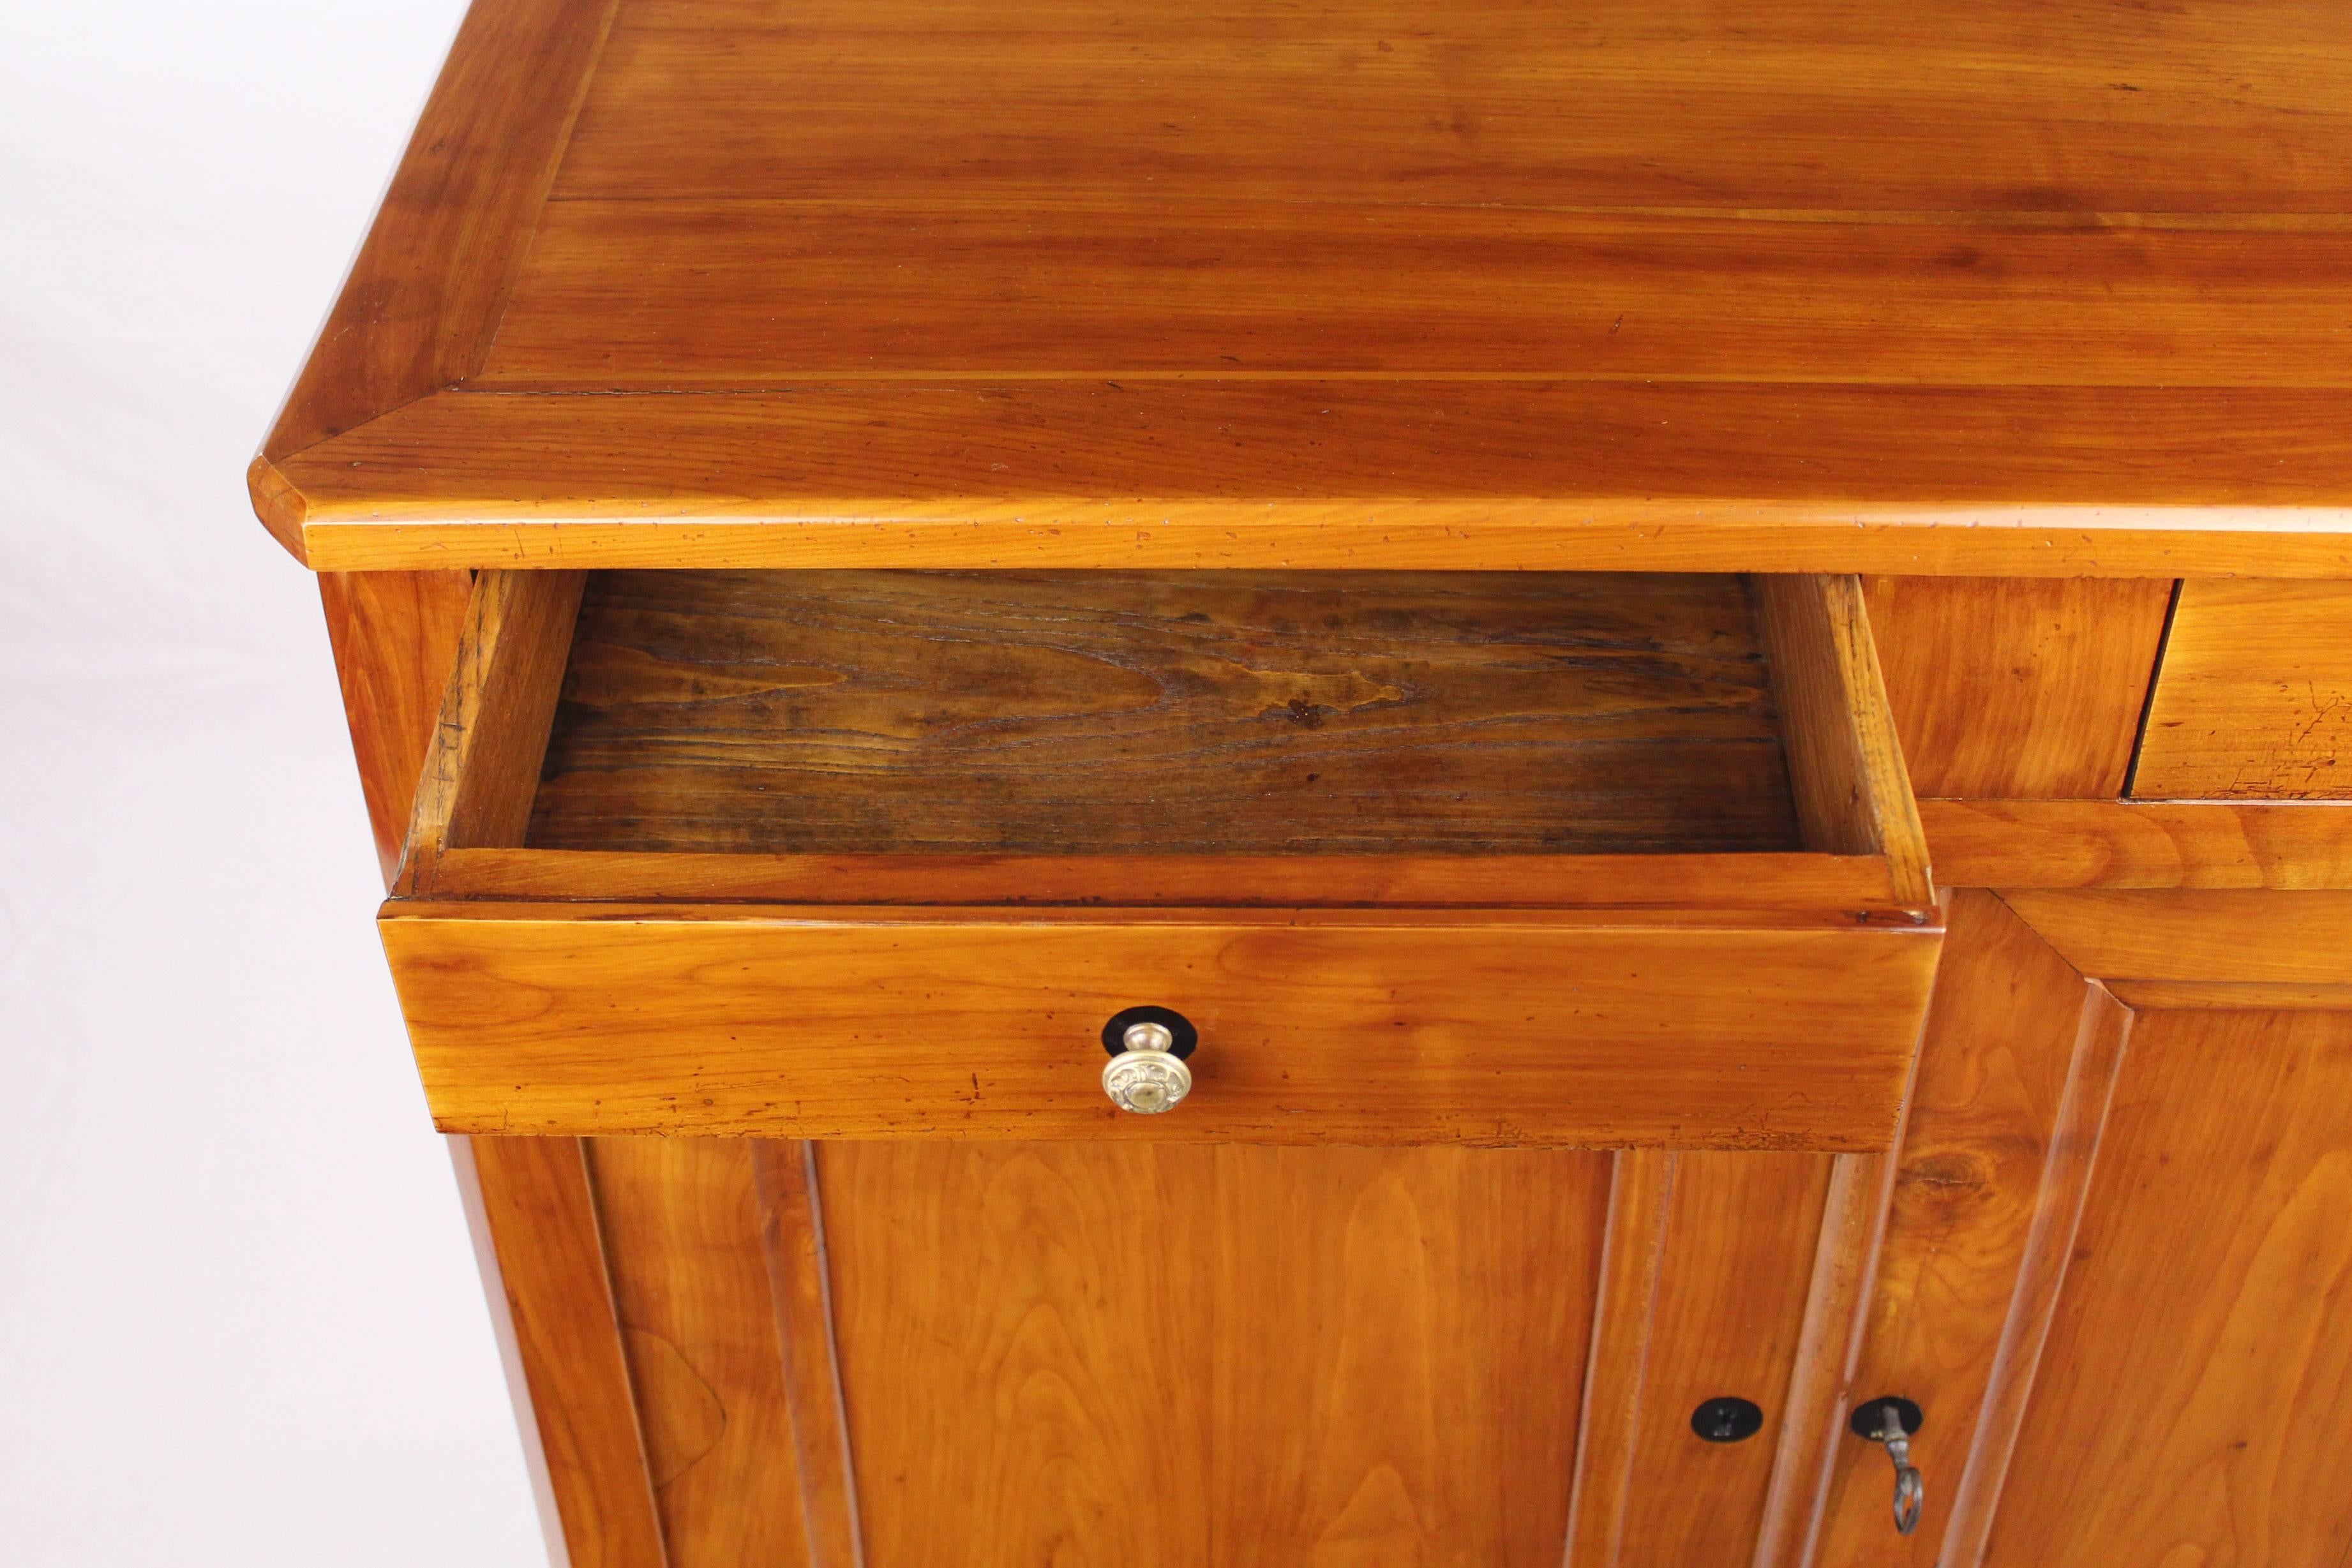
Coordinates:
[1728,1419]
[1185,1037]
[1866,1422]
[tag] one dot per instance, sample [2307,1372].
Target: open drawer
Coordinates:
[1489,858]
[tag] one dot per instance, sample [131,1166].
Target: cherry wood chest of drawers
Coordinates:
[1346,784]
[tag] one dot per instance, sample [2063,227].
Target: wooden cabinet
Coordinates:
[1698,663]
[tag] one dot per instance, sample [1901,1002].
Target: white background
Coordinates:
[239,1321]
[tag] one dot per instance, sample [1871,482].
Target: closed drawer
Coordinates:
[1490,858]
[2253,694]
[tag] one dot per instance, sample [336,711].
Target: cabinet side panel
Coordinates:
[395,636]
[541,1214]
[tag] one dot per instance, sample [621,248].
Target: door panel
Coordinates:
[2198,1372]
[1178,1355]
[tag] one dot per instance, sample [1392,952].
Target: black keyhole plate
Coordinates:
[1867,1423]
[1728,1419]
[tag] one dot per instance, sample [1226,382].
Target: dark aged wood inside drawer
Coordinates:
[1540,858]
[1199,713]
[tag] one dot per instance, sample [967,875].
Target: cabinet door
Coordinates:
[2199,1356]
[2117,1269]
[748,1351]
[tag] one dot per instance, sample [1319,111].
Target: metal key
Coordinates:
[1889,1422]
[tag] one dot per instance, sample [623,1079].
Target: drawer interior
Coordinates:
[1207,713]
[1209,736]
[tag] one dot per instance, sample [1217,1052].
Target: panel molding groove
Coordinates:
[1640,1196]
[2101,1041]
[791,1234]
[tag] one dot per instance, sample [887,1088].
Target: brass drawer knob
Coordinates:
[1145,1074]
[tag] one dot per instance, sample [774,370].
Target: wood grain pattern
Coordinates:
[2255,698]
[1185,713]
[680,1218]
[2192,1358]
[2018,688]
[395,636]
[1172,1356]
[1857,885]
[1322,1027]
[540,1216]
[481,771]
[1434,475]
[791,1236]
[1729,1313]
[1641,1196]
[1971,1183]
[2139,845]
[684,294]
[1845,762]
[2302,938]
[1852,108]
[2104,1037]
[427,290]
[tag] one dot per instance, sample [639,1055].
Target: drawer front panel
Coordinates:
[2018,688]
[2254,698]
[1313,1029]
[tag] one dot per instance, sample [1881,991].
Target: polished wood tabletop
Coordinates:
[1995,287]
